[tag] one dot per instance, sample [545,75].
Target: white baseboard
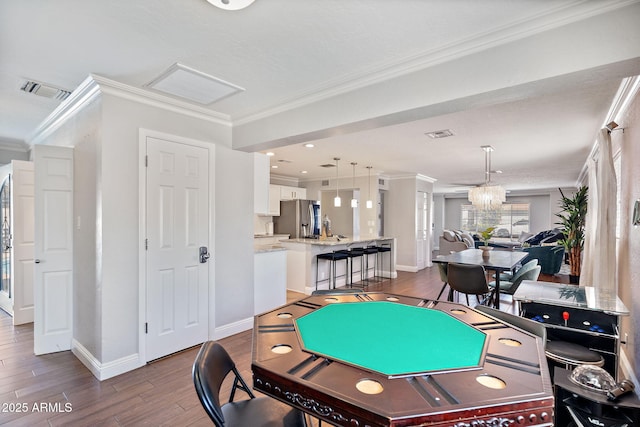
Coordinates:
[103,371]
[233,328]
[409,268]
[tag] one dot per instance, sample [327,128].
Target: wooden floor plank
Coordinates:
[160,393]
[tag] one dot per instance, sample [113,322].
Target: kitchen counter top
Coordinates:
[268,248]
[263,236]
[334,241]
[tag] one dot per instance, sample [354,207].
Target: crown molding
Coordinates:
[154,99]
[17,145]
[95,85]
[387,70]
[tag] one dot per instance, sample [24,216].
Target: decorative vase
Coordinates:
[485,251]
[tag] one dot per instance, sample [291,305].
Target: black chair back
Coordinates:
[211,367]
[467,279]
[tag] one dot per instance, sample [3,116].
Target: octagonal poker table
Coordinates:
[378,359]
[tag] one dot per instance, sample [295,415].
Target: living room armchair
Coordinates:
[550,258]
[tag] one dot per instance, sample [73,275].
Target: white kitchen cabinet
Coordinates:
[292,193]
[274,200]
[261,184]
[269,280]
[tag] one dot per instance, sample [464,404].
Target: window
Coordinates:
[510,220]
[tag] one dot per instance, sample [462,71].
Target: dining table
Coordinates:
[497,260]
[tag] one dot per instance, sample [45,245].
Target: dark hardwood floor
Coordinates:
[56,389]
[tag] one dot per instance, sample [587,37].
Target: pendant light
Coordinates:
[369,201]
[487,196]
[354,201]
[336,201]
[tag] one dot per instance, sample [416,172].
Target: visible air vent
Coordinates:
[325,182]
[440,134]
[284,161]
[45,90]
[328,165]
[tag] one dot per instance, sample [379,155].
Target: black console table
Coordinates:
[592,321]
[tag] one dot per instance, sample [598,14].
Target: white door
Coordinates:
[422,229]
[23,216]
[53,249]
[177,226]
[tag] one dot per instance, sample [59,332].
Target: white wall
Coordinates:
[234,252]
[106,136]
[629,244]
[400,221]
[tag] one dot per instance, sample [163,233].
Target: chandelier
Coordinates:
[487,196]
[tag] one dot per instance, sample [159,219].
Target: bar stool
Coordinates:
[382,249]
[332,257]
[353,253]
[370,250]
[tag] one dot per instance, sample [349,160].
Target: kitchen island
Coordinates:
[301,261]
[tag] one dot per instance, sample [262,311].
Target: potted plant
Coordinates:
[486,235]
[572,219]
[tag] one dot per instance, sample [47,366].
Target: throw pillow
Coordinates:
[449,236]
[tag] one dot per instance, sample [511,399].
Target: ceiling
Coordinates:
[286,53]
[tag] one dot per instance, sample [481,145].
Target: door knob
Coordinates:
[37,261]
[204,254]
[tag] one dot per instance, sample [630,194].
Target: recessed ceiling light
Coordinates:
[271,153]
[274,167]
[444,133]
[303,171]
[309,145]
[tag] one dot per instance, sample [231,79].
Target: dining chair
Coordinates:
[527,272]
[468,279]
[508,276]
[211,367]
[442,269]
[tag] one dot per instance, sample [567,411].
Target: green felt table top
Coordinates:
[392,338]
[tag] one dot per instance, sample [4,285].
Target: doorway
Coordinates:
[176,226]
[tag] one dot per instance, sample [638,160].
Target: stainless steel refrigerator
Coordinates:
[298,218]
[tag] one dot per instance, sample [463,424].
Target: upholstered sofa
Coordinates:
[452,241]
[550,258]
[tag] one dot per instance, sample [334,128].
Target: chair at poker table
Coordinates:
[468,279]
[566,353]
[211,367]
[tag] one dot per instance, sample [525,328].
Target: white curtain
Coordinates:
[599,258]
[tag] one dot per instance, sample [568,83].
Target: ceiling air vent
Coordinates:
[328,165]
[44,90]
[325,182]
[439,134]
